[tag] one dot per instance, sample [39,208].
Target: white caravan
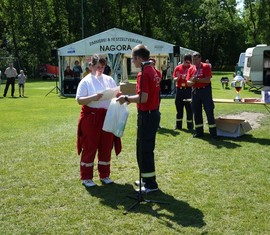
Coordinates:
[240,65]
[257,66]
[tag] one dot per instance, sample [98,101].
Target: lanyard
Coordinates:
[198,70]
[185,71]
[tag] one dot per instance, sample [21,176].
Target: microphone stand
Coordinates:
[56,88]
[140,199]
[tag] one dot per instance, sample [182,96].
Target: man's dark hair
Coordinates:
[141,51]
[188,57]
[196,54]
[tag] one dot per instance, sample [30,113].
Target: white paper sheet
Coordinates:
[110,93]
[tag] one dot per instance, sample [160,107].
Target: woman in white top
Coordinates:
[91,138]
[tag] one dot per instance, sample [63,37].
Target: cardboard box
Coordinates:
[232,127]
[128,88]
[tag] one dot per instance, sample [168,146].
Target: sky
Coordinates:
[240,4]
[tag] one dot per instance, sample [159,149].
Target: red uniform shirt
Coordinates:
[150,85]
[202,71]
[181,71]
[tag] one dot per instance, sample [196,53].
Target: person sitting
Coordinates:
[68,73]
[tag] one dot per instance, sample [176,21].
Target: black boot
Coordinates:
[178,125]
[199,133]
[213,133]
[190,125]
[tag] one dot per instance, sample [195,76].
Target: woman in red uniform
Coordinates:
[91,138]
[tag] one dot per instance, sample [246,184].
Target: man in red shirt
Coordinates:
[199,77]
[183,91]
[147,99]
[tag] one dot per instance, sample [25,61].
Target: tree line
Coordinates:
[216,28]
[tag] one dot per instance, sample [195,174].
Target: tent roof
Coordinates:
[114,41]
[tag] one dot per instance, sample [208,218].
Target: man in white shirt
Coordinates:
[11,74]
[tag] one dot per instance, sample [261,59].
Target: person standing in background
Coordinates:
[107,69]
[86,72]
[199,77]
[21,82]
[164,68]
[183,91]
[207,62]
[11,74]
[77,71]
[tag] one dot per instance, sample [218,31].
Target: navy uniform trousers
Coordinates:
[202,98]
[10,81]
[148,122]
[181,94]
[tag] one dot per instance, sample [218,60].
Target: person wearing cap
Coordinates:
[183,92]
[199,77]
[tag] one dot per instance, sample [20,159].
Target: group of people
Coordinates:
[193,81]
[11,75]
[76,71]
[92,140]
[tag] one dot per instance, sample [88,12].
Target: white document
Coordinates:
[109,93]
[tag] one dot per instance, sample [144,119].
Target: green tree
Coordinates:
[257,21]
[214,27]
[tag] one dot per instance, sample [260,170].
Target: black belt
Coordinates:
[183,87]
[201,87]
[148,111]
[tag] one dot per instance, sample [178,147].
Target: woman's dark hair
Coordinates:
[98,59]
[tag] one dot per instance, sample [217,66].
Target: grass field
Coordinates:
[211,187]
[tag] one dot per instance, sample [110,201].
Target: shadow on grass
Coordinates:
[166,131]
[249,138]
[173,211]
[230,142]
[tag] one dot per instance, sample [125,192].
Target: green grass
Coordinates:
[219,187]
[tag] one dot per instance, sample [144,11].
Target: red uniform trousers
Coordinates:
[92,139]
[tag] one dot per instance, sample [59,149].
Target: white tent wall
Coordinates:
[116,45]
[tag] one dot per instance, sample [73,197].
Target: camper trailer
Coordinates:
[240,65]
[257,66]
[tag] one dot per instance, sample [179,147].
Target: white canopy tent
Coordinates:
[117,45]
